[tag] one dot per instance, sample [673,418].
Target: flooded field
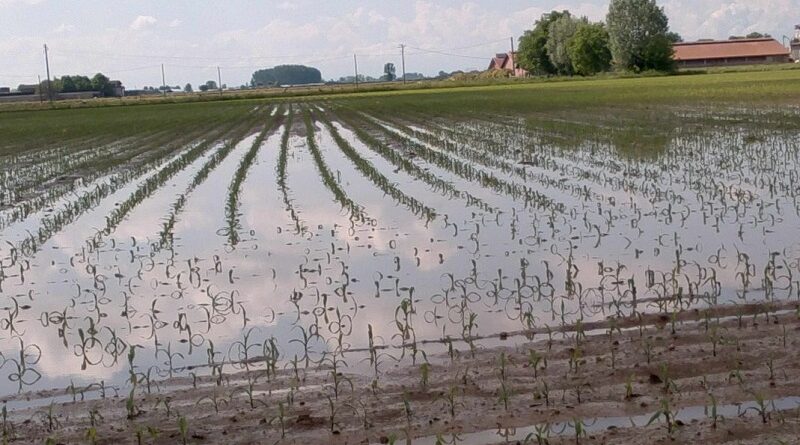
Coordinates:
[312,249]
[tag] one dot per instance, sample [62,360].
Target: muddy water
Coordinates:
[710,219]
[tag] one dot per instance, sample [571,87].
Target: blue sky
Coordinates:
[130,39]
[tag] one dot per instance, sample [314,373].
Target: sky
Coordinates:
[130,39]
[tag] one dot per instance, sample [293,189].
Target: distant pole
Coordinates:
[49,85]
[513,58]
[41,98]
[219,78]
[403,54]
[163,81]
[355,64]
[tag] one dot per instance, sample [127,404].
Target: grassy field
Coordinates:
[523,262]
[21,128]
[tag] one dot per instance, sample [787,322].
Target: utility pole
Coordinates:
[513,58]
[49,85]
[403,54]
[355,63]
[219,78]
[163,81]
[39,87]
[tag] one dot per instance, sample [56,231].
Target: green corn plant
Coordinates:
[667,413]
[669,384]
[280,418]
[711,411]
[580,430]
[629,387]
[534,359]
[424,375]
[504,395]
[183,428]
[541,434]
[761,408]
[91,435]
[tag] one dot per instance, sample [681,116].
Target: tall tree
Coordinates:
[532,52]
[102,84]
[188,88]
[638,31]
[560,35]
[589,49]
[389,72]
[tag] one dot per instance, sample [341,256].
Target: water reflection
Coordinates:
[519,234]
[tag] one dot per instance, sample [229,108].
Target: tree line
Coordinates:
[286,75]
[77,84]
[635,37]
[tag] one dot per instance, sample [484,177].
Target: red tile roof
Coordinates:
[501,62]
[729,49]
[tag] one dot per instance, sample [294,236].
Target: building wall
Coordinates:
[796,51]
[731,61]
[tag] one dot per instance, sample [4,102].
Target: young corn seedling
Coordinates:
[669,384]
[541,434]
[424,375]
[667,413]
[91,435]
[183,429]
[761,408]
[534,359]
[711,411]
[280,418]
[450,399]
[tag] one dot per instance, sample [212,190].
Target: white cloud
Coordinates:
[63,28]
[327,37]
[142,22]
[287,6]
[720,19]
[20,2]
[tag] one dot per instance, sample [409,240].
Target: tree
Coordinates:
[203,87]
[286,75]
[638,34]
[752,35]
[532,52]
[588,49]
[102,84]
[674,37]
[389,72]
[67,85]
[560,35]
[211,85]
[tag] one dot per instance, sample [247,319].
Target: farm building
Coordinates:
[730,52]
[505,61]
[796,44]
[119,90]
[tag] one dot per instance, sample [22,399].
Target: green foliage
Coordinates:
[389,72]
[589,49]
[188,88]
[532,52]
[638,31]
[558,42]
[102,84]
[286,75]
[72,84]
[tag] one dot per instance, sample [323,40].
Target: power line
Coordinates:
[431,51]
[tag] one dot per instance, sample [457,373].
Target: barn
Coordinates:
[730,52]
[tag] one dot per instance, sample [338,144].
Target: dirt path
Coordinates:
[750,353]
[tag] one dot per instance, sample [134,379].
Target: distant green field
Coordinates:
[25,128]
